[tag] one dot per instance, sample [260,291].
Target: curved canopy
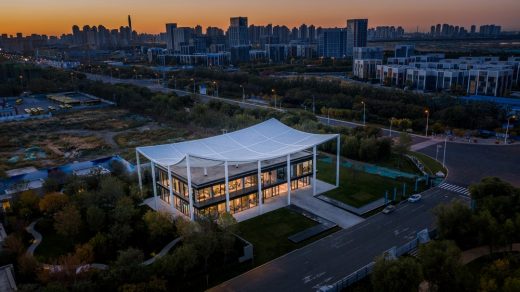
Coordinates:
[267,140]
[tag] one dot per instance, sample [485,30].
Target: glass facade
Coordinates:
[210,200]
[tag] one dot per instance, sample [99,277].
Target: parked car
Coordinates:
[388,209]
[414,198]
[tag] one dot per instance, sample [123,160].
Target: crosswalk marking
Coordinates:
[454,188]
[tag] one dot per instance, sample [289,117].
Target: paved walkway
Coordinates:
[163,252]
[358,211]
[323,225]
[305,200]
[477,252]
[37,237]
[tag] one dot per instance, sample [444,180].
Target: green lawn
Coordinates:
[404,164]
[358,188]
[431,165]
[268,233]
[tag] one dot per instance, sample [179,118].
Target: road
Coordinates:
[155,86]
[386,132]
[328,260]
[469,163]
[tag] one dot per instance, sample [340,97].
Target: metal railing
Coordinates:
[367,269]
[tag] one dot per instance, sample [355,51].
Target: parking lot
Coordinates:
[45,103]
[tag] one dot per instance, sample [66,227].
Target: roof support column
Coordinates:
[139,171]
[259,184]
[154,186]
[170,185]
[226,181]
[288,173]
[314,170]
[338,147]
[190,191]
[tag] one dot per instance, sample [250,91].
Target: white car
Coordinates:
[414,198]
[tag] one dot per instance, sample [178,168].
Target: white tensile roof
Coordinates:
[267,140]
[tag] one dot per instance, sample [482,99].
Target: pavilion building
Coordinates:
[223,171]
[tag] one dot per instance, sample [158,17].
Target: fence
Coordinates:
[394,252]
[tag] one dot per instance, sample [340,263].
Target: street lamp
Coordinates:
[507,128]
[391,124]
[444,155]
[427,112]
[243,93]
[193,85]
[21,80]
[215,83]
[274,93]
[364,113]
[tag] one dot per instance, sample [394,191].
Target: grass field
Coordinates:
[358,188]
[404,164]
[269,233]
[430,165]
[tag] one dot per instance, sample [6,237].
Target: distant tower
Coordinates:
[130,22]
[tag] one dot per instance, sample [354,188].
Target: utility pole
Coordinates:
[444,156]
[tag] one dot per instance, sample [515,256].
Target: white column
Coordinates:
[170,184]
[190,191]
[154,186]
[139,171]
[314,170]
[288,173]
[259,183]
[226,181]
[338,147]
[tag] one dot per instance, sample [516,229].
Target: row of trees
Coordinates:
[494,221]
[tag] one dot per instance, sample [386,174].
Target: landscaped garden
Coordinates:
[358,188]
[269,233]
[431,166]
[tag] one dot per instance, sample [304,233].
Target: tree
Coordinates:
[124,210]
[456,222]
[28,204]
[52,203]
[95,218]
[440,260]
[128,266]
[401,275]
[67,222]
[403,146]
[159,223]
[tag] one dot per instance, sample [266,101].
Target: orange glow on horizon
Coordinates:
[57,16]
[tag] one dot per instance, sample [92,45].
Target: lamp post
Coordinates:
[193,85]
[437,152]
[364,113]
[391,124]
[427,112]
[274,94]
[507,128]
[215,85]
[444,155]
[243,93]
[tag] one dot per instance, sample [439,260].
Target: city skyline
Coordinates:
[150,18]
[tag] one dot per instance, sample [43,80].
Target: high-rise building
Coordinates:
[473,29]
[356,34]
[332,43]
[404,51]
[238,32]
[170,31]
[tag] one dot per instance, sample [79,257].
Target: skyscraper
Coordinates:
[170,31]
[356,34]
[331,43]
[238,31]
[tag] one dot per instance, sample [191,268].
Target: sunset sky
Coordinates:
[54,17]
